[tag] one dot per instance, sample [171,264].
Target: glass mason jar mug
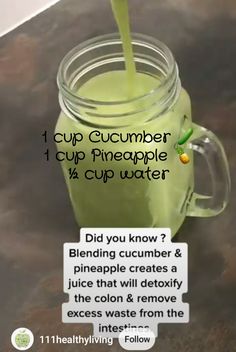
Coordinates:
[163,193]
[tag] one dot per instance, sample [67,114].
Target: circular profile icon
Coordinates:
[22,339]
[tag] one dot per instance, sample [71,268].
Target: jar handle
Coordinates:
[208,145]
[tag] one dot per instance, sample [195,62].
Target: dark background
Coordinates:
[35,213]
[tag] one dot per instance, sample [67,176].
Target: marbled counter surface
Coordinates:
[35,213]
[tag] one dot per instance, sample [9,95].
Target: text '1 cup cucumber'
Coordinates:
[117,84]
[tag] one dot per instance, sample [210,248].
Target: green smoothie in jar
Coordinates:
[115,86]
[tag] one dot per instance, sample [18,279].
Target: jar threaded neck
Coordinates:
[103,54]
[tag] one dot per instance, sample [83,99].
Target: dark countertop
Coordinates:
[35,213]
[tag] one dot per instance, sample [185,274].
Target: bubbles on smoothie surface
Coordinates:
[112,86]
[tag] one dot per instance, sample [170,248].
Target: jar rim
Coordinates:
[109,39]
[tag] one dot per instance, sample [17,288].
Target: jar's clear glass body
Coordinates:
[142,202]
